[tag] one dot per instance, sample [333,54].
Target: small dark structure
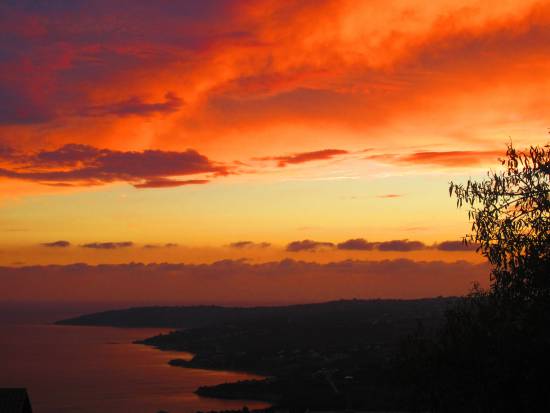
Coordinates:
[14,401]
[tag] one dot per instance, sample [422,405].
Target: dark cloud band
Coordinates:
[75,164]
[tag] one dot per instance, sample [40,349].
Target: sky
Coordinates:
[299,151]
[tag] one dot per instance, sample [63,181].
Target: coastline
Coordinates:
[320,355]
[211,391]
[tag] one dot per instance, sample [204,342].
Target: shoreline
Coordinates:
[211,391]
[320,356]
[188,364]
[196,391]
[180,362]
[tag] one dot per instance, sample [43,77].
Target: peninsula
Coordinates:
[331,354]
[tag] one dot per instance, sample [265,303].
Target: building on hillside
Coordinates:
[14,401]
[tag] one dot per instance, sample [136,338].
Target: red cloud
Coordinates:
[453,158]
[443,158]
[86,165]
[305,157]
[388,196]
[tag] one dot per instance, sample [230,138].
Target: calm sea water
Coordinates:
[97,369]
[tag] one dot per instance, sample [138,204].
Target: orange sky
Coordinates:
[128,126]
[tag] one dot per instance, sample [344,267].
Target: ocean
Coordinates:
[70,369]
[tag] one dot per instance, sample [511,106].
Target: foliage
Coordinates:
[491,352]
[510,214]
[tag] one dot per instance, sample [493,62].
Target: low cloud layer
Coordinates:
[401,245]
[361,244]
[305,245]
[456,246]
[357,244]
[231,281]
[167,245]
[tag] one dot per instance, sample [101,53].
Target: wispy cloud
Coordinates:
[389,196]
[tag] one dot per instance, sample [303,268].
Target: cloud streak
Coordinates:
[304,157]
[307,245]
[57,244]
[154,246]
[249,244]
[449,159]
[108,245]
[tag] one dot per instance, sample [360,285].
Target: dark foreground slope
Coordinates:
[328,355]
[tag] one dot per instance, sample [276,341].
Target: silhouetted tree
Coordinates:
[510,214]
[491,352]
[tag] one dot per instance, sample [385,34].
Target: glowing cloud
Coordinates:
[445,158]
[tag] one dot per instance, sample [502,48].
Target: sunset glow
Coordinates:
[267,143]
